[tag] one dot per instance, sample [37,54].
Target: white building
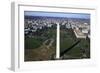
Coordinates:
[68,26]
[79,34]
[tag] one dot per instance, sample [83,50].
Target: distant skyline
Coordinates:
[57,14]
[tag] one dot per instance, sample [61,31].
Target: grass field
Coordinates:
[32,43]
[41,47]
[67,39]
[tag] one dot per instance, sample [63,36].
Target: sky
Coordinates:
[56,14]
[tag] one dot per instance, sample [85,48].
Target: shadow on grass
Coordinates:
[68,49]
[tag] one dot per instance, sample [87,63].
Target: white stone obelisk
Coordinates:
[58,42]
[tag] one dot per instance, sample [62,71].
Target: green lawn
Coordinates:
[76,52]
[35,50]
[32,43]
[68,39]
[37,41]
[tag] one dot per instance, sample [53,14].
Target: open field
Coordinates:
[41,47]
[80,50]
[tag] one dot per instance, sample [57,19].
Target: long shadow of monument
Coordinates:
[68,49]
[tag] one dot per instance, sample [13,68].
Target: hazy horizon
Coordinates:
[57,14]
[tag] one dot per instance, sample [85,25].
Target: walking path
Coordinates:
[50,44]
